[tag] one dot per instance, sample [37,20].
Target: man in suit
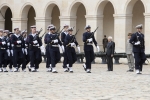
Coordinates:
[129,53]
[105,41]
[137,40]
[110,53]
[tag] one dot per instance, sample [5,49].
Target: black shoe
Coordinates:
[70,71]
[130,71]
[5,71]
[55,72]
[66,71]
[139,73]
[88,72]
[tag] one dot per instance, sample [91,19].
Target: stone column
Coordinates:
[2,23]
[147,32]
[122,26]
[70,20]
[19,22]
[42,22]
[96,21]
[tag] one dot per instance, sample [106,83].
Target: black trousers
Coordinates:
[71,55]
[10,62]
[89,56]
[65,62]
[48,57]
[3,58]
[140,59]
[17,57]
[26,61]
[55,55]
[35,57]
[110,63]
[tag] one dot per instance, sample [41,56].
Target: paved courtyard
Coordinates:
[98,85]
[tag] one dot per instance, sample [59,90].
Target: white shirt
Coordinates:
[66,33]
[1,37]
[49,33]
[17,35]
[33,35]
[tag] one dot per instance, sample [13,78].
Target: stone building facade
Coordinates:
[114,18]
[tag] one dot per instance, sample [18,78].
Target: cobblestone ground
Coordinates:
[98,85]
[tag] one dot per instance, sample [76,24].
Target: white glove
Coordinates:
[8,52]
[78,49]
[137,43]
[98,48]
[90,40]
[11,52]
[26,45]
[72,44]
[25,50]
[37,45]
[63,49]
[8,44]
[56,41]
[18,41]
[3,43]
[35,42]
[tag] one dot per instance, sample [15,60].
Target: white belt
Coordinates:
[18,45]
[55,46]
[89,44]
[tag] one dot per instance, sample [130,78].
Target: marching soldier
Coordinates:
[70,42]
[48,57]
[63,35]
[34,46]
[18,46]
[26,52]
[10,45]
[54,41]
[3,52]
[138,42]
[88,39]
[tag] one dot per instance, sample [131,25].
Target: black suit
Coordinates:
[109,53]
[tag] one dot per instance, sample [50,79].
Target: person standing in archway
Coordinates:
[88,39]
[105,41]
[138,42]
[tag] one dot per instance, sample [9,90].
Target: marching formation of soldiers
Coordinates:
[17,50]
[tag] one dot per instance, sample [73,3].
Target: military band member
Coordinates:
[3,52]
[18,44]
[138,42]
[63,35]
[129,53]
[34,46]
[54,41]
[88,39]
[110,53]
[48,57]
[71,43]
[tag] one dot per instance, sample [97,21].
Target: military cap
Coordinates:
[52,28]
[87,27]
[139,26]
[33,26]
[70,29]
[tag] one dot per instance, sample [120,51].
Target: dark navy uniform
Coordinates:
[26,54]
[65,62]
[138,49]
[34,51]
[48,57]
[88,49]
[18,55]
[54,50]
[70,50]
[3,54]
